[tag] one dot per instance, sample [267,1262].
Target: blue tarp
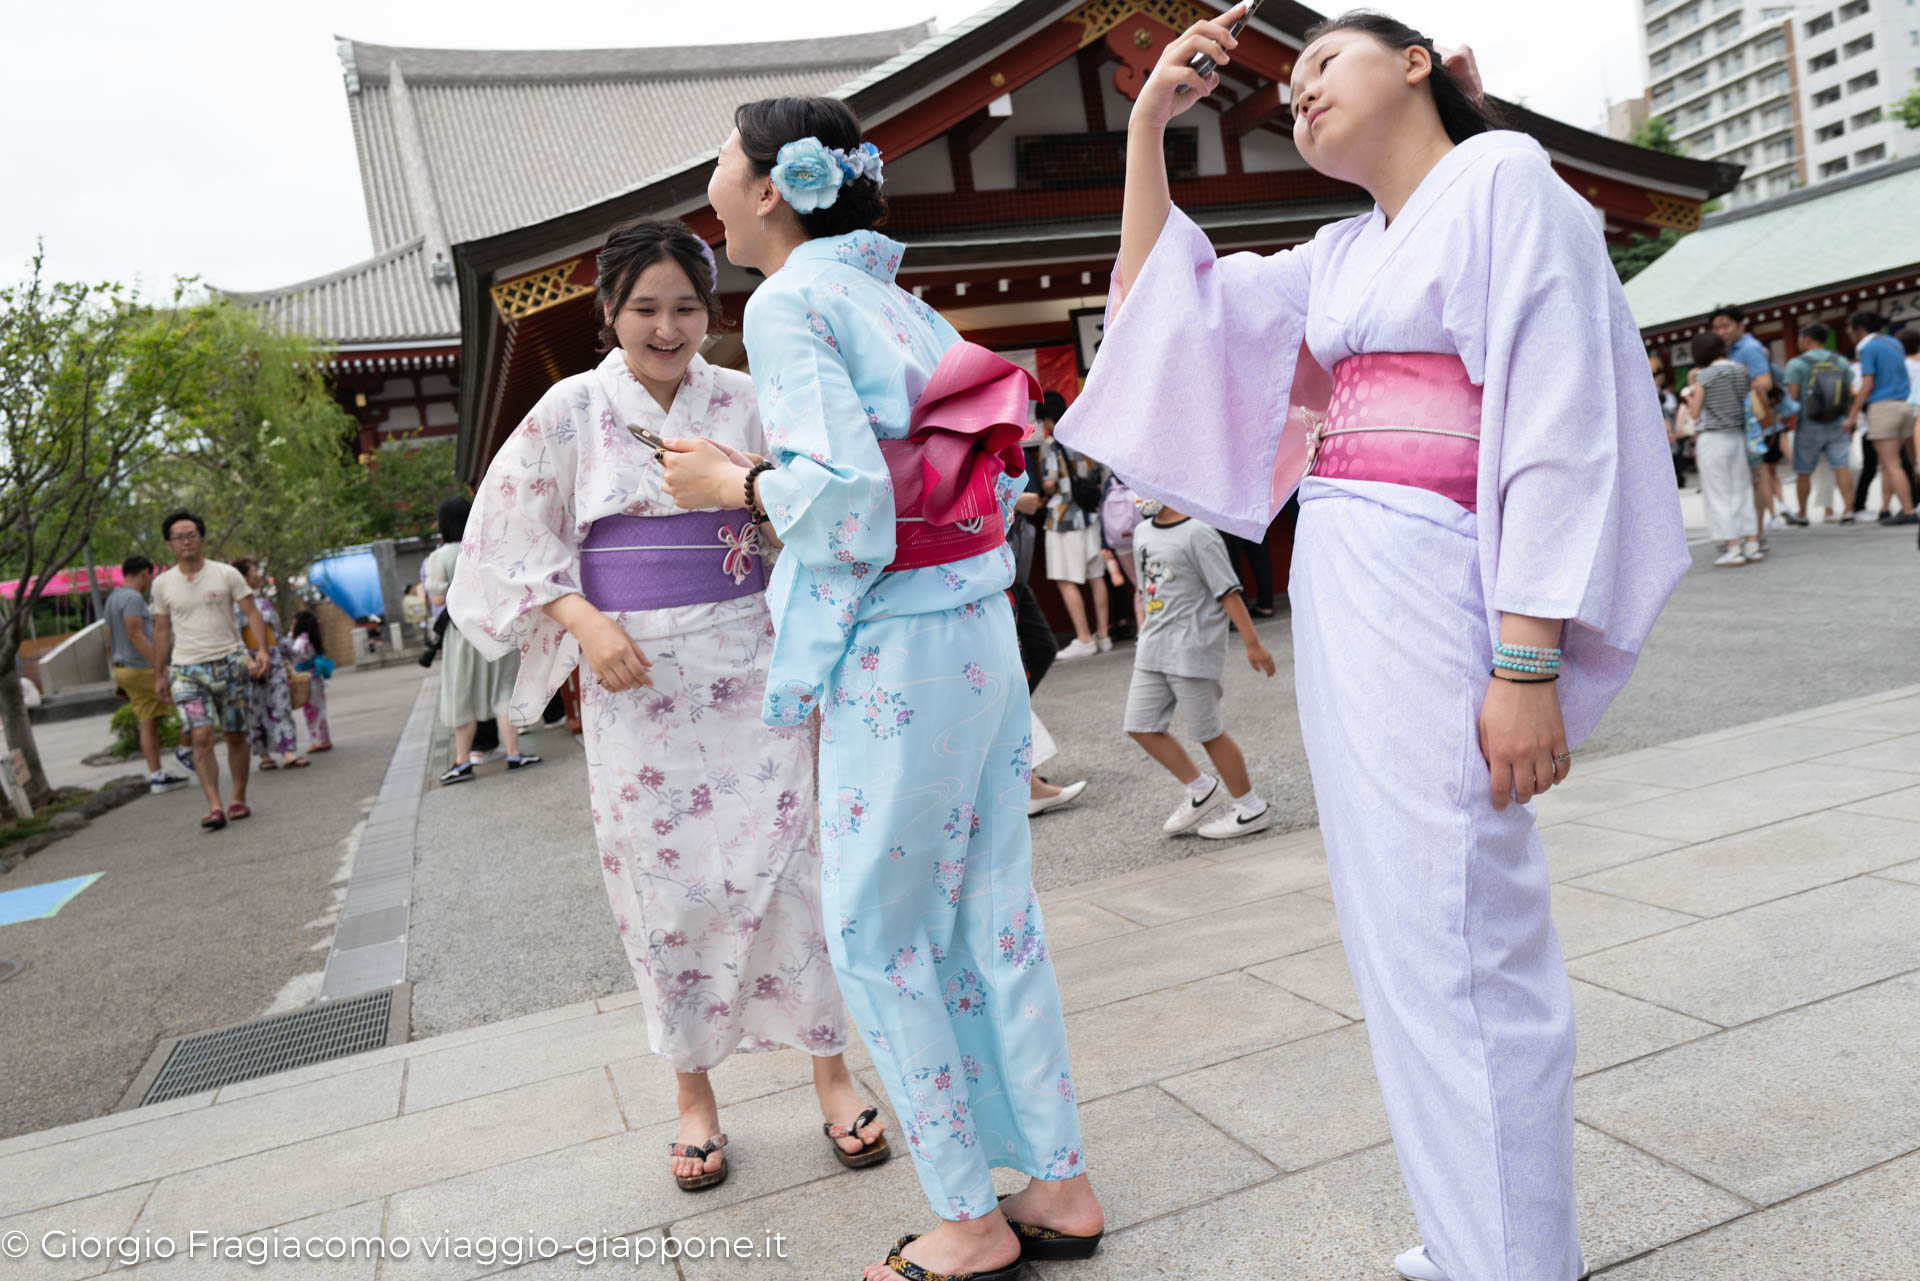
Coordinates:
[350,580]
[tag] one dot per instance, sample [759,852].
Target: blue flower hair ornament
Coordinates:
[808,174]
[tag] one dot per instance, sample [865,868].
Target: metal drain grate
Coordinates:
[333,1030]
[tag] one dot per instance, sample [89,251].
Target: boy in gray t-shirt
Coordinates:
[1191,592]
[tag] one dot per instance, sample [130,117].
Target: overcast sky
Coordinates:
[210,137]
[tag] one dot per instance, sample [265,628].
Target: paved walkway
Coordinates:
[1738,910]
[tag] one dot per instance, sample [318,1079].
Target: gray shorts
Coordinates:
[1151,699]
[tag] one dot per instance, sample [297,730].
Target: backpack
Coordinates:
[1086,491]
[1119,513]
[1823,398]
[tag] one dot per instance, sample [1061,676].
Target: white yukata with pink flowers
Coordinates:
[705,817]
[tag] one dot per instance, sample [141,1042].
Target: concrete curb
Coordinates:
[370,942]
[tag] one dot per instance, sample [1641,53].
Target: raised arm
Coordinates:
[1148,199]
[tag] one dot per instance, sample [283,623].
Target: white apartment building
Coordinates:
[1856,58]
[1722,73]
[1796,93]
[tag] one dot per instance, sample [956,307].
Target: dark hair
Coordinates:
[134,565]
[306,623]
[1737,314]
[636,245]
[1708,347]
[771,123]
[1910,340]
[1053,406]
[246,564]
[171,519]
[1816,331]
[453,519]
[1461,114]
[1870,321]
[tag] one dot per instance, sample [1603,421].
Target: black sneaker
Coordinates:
[521,762]
[1886,518]
[1908,519]
[461,773]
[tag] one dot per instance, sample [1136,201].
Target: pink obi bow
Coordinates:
[741,547]
[965,433]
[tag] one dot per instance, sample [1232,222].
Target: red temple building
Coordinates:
[491,179]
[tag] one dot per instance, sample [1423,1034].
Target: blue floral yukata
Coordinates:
[925,737]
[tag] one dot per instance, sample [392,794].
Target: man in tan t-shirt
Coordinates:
[201,662]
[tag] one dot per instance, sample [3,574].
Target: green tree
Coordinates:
[1655,133]
[86,373]
[399,493]
[254,443]
[1634,257]
[1907,110]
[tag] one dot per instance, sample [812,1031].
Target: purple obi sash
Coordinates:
[1405,419]
[630,563]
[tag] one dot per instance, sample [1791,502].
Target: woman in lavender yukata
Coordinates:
[1490,488]
[925,734]
[270,726]
[704,817]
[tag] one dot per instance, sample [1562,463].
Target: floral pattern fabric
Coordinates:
[270,728]
[704,818]
[925,737]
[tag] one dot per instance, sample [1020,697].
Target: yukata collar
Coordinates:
[868,251]
[635,404]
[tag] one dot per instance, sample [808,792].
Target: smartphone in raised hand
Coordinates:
[1202,65]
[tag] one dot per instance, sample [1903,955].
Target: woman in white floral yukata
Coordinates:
[704,817]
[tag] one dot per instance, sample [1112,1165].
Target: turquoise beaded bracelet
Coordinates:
[1535,653]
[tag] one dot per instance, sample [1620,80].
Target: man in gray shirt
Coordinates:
[131,626]
[1192,591]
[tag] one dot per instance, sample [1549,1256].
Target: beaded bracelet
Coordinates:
[753,498]
[1531,653]
[1513,665]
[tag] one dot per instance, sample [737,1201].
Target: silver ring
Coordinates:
[1563,758]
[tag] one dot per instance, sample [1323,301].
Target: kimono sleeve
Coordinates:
[1588,521]
[1188,399]
[521,551]
[831,497]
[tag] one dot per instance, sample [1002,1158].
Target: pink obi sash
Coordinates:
[630,563]
[965,433]
[1404,418]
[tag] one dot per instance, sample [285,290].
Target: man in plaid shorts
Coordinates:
[201,661]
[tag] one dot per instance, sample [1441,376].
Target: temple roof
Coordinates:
[392,297]
[493,139]
[456,144]
[1799,244]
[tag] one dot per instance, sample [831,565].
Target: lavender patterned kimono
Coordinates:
[704,817]
[1397,594]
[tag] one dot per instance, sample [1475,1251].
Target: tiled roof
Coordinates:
[389,298]
[513,137]
[1798,243]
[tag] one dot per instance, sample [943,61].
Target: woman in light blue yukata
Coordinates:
[890,604]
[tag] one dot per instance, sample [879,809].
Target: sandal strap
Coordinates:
[904,1267]
[834,1130]
[693,1153]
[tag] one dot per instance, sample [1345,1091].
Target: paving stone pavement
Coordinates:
[1737,913]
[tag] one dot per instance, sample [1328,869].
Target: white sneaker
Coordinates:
[1066,796]
[1103,643]
[1076,649]
[1731,558]
[1237,822]
[1417,1265]
[1752,550]
[163,782]
[1188,812]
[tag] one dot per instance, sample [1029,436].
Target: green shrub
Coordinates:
[126,731]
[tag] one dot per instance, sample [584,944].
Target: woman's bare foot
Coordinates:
[975,1245]
[699,1122]
[1067,1205]
[1038,789]
[841,1104]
